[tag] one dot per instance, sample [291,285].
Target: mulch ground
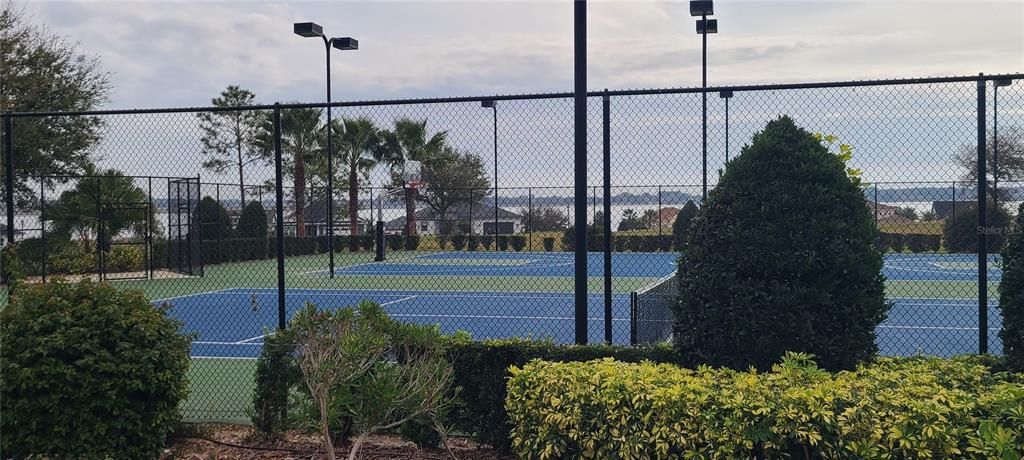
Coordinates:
[237,442]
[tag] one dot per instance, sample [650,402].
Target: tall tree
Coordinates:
[408,140]
[301,140]
[1010,160]
[357,141]
[453,178]
[43,72]
[76,214]
[230,138]
[545,219]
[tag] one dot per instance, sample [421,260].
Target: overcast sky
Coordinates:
[163,53]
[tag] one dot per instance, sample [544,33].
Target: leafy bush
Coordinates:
[10,266]
[412,242]
[960,231]
[122,258]
[276,372]
[88,372]
[72,259]
[682,224]
[518,242]
[549,244]
[481,370]
[366,241]
[895,408]
[486,241]
[502,242]
[919,243]
[459,241]
[214,221]
[473,242]
[395,242]
[781,258]
[595,238]
[253,221]
[1011,296]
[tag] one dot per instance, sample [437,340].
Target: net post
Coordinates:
[982,224]
[632,318]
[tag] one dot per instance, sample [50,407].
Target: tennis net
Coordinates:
[651,311]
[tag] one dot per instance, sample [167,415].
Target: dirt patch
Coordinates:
[235,442]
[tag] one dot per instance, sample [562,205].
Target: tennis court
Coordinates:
[232,322]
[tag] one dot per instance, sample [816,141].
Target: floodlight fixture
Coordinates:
[707,26]
[725,93]
[702,7]
[308,29]
[345,43]
[1001,82]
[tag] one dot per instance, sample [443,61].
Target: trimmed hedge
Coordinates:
[88,371]
[894,408]
[1011,295]
[481,369]
[960,231]
[913,242]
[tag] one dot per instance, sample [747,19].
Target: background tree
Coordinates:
[545,219]
[960,231]
[1010,160]
[453,178]
[631,220]
[301,137]
[907,213]
[253,221]
[1011,296]
[408,140]
[230,138]
[358,143]
[76,213]
[781,258]
[682,224]
[214,221]
[42,72]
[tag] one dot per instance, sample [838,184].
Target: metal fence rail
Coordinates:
[232,226]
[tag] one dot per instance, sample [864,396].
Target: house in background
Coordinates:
[315,220]
[884,212]
[481,221]
[666,217]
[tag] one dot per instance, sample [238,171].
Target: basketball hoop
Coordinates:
[411,174]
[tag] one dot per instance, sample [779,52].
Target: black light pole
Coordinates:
[492,104]
[995,135]
[705,26]
[726,94]
[309,30]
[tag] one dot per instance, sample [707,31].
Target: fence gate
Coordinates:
[184,236]
[134,261]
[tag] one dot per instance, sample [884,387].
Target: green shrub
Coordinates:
[394,242]
[502,241]
[1011,295]
[960,231]
[123,258]
[253,221]
[518,242]
[481,370]
[473,242]
[72,259]
[486,241]
[549,244]
[682,225]
[412,242]
[595,238]
[366,241]
[214,221]
[10,266]
[620,243]
[781,258]
[459,241]
[88,372]
[276,372]
[895,408]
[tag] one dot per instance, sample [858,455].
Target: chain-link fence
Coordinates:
[216,211]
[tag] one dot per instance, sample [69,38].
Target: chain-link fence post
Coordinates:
[607,168]
[982,225]
[279,225]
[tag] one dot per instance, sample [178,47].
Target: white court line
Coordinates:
[222,343]
[246,341]
[420,293]
[193,295]
[427,315]
[449,268]
[238,358]
[937,328]
[403,299]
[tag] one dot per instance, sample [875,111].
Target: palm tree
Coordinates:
[408,141]
[358,144]
[300,137]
